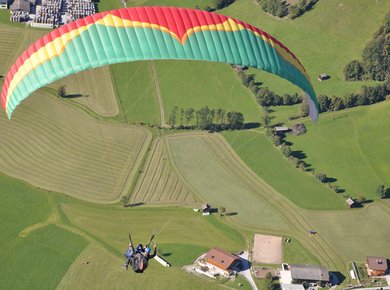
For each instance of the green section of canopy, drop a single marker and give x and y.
(102, 45)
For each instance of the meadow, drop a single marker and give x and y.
(350, 146)
(52, 145)
(257, 151)
(325, 39)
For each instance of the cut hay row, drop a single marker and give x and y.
(92, 88)
(51, 145)
(158, 182)
(10, 37)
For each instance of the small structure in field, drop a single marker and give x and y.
(281, 129)
(377, 266)
(301, 273)
(162, 261)
(350, 202)
(221, 262)
(3, 4)
(206, 209)
(298, 129)
(323, 77)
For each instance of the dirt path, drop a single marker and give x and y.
(158, 93)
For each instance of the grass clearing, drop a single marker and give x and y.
(356, 233)
(136, 92)
(51, 145)
(350, 146)
(325, 39)
(204, 84)
(208, 165)
(263, 158)
(92, 88)
(295, 253)
(158, 182)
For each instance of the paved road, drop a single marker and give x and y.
(247, 272)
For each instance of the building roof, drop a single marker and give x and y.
(350, 201)
(292, 287)
(205, 207)
(220, 258)
(279, 129)
(309, 272)
(21, 5)
(377, 263)
(3, 1)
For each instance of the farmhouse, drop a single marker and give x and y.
(206, 209)
(221, 262)
(3, 4)
(377, 266)
(310, 273)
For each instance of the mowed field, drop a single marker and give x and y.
(159, 182)
(207, 163)
(258, 152)
(350, 146)
(10, 37)
(325, 39)
(52, 145)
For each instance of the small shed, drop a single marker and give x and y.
(323, 77)
(281, 129)
(377, 266)
(206, 209)
(350, 202)
(3, 4)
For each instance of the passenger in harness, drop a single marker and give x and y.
(138, 258)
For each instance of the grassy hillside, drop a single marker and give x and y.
(263, 158)
(207, 164)
(36, 259)
(325, 39)
(350, 146)
(55, 146)
(198, 84)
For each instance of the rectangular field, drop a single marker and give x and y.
(267, 249)
(54, 146)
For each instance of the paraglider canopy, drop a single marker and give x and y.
(145, 33)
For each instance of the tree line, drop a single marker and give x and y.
(264, 96)
(205, 119)
(279, 8)
(367, 96)
(375, 63)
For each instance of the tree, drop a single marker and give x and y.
(324, 103)
(222, 211)
(189, 115)
(172, 117)
(276, 140)
(354, 71)
(381, 192)
(235, 120)
(181, 116)
(204, 118)
(336, 104)
(266, 120)
(361, 198)
(304, 109)
(286, 150)
(125, 200)
(269, 282)
(275, 7)
(61, 91)
(321, 177)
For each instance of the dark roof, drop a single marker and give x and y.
(220, 258)
(21, 5)
(377, 263)
(3, 1)
(309, 272)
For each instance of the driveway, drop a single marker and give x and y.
(246, 272)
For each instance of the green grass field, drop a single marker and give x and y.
(263, 158)
(350, 146)
(136, 92)
(52, 145)
(204, 84)
(158, 182)
(325, 39)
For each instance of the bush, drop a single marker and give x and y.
(321, 177)
(274, 7)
